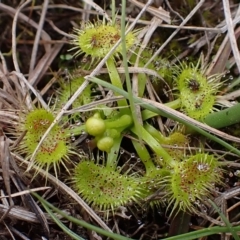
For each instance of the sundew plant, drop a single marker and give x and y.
(139, 140)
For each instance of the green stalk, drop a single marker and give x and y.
(65, 229)
(225, 220)
(112, 157)
(114, 11)
(154, 145)
(147, 114)
(116, 81)
(75, 131)
(144, 156)
(125, 65)
(154, 132)
(80, 222)
(175, 104)
(123, 122)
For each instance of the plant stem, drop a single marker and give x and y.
(80, 222)
(133, 107)
(154, 145)
(175, 104)
(154, 132)
(144, 156)
(75, 131)
(112, 157)
(123, 122)
(116, 81)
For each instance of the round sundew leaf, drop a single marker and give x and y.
(54, 149)
(196, 91)
(191, 79)
(193, 179)
(67, 89)
(103, 187)
(197, 105)
(38, 121)
(97, 39)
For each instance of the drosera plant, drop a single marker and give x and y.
(96, 40)
(102, 184)
(195, 91)
(157, 175)
(184, 183)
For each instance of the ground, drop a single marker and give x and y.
(38, 70)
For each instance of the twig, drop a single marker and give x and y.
(175, 32)
(231, 34)
(37, 37)
(14, 53)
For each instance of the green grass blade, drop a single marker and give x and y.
(224, 117)
(228, 224)
(80, 222)
(60, 224)
(202, 233)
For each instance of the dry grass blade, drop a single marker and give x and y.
(231, 34)
(98, 9)
(44, 63)
(37, 37)
(196, 8)
(31, 203)
(25, 192)
(14, 51)
(5, 163)
(11, 11)
(19, 214)
(159, 13)
(218, 64)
